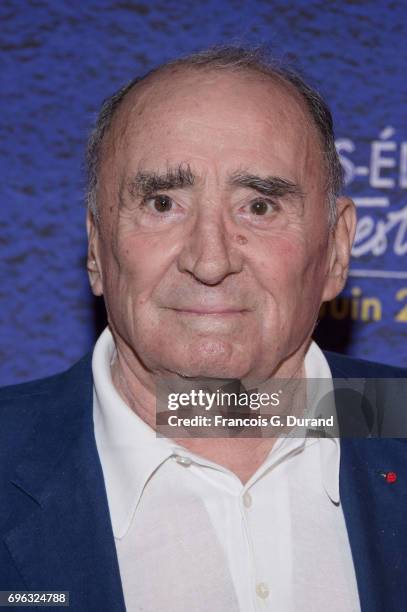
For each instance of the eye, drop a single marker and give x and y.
(262, 207)
(160, 203)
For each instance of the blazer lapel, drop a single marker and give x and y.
(375, 515)
(63, 537)
(374, 509)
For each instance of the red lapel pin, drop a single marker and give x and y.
(390, 477)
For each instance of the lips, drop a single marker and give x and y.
(212, 310)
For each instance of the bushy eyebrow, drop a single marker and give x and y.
(145, 183)
(270, 185)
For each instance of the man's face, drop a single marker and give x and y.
(213, 250)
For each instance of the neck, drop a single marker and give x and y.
(242, 456)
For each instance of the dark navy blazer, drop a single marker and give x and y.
(55, 528)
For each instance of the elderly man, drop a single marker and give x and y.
(216, 230)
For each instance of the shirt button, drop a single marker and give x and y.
(185, 461)
(247, 500)
(262, 590)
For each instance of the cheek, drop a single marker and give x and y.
(291, 271)
(135, 267)
(279, 261)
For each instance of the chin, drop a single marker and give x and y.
(210, 371)
(212, 360)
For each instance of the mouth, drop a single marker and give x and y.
(211, 311)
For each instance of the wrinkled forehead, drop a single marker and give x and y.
(191, 109)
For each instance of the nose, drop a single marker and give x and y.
(208, 253)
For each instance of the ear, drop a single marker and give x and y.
(342, 237)
(93, 261)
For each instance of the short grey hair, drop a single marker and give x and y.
(231, 58)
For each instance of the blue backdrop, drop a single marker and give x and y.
(59, 59)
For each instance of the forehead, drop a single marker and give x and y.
(228, 118)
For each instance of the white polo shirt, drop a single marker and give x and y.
(190, 537)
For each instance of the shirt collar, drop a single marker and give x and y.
(128, 448)
(130, 452)
(317, 369)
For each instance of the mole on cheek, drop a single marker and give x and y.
(241, 239)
